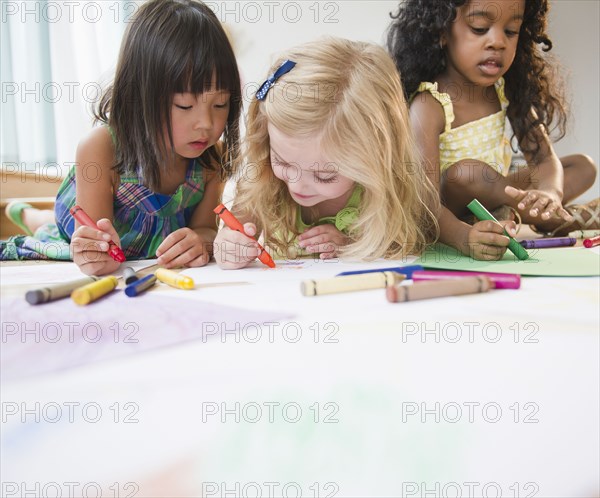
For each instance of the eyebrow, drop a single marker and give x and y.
(283, 161)
(481, 13)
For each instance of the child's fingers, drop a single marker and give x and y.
(325, 229)
(328, 255)
(180, 259)
(528, 200)
(106, 226)
(171, 240)
(488, 226)
(489, 253)
(320, 248)
(492, 239)
(510, 226)
(539, 206)
(81, 244)
(515, 193)
(104, 267)
(238, 253)
(200, 260)
(90, 233)
(555, 209)
(314, 240)
(250, 229)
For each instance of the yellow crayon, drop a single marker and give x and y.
(174, 279)
(351, 283)
(90, 292)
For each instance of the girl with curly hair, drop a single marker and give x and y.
(466, 66)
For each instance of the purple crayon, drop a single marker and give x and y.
(544, 243)
(499, 280)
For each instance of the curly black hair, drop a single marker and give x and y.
(535, 92)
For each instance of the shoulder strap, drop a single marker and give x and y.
(443, 98)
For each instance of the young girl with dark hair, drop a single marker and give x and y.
(155, 170)
(466, 66)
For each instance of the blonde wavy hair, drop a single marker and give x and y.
(349, 94)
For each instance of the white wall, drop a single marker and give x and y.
(575, 31)
(262, 28)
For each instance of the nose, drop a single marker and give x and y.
(496, 39)
(203, 120)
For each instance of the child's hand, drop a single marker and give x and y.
(324, 239)
(486, 240)
(183, 247)
(234, 250)
(89, 248)
(546, 204)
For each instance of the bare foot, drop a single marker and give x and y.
(34, 218)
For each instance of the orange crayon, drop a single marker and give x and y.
(233, 223)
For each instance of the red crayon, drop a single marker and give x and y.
(594, 241)
(114, 251)
(233, 223)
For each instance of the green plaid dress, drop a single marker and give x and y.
(142, 218)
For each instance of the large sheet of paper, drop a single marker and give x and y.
(555, 262)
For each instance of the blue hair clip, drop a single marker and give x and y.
(286, 67)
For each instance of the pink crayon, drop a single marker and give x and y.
(499, 280)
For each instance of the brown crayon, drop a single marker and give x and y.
(438, 288)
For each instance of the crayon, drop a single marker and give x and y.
(141, 285)
(90, 292)
(114, 251)
(433, 289)
(483, 214)
(405, 270)
(233, 223)
(594, 241)
(174, 279)
(350, 283)
(584, 234)
(546, 243)
(58, 291)
(499, 280)
(129, 275)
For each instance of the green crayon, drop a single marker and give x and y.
(483, 214)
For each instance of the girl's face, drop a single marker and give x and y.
(482, 41)
(312, 180)
(198, 121)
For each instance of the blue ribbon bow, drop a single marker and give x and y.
(286, 67)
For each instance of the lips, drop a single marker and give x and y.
(199, 144)
(300, 196)
(491, 66)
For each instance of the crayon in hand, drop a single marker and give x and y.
(483, 214)
(233, 223)
(114, 251)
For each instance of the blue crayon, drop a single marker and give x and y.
(139, 286)
(405, 270)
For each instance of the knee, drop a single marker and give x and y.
(468, 173)
(586, 168)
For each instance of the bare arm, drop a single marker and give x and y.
(485, 239)
(428, 123)
(95, 181)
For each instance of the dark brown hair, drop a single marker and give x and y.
(535, 92)
(171, 46)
